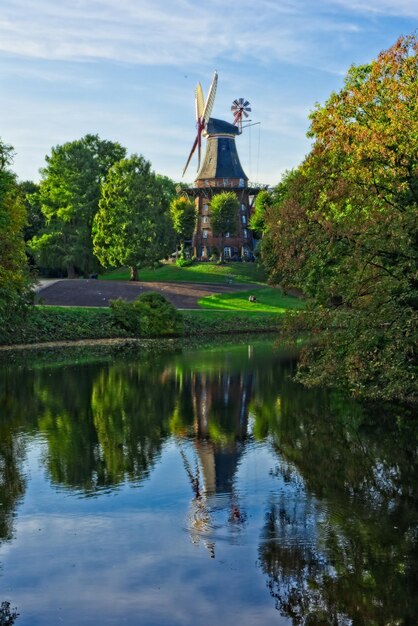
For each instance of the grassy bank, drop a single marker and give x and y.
(268, 300)
(53, 323)
(196, 273)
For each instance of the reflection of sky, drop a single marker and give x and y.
(126, 556)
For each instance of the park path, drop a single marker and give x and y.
(83, 292)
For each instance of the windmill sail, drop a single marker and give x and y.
(210, 100)
(200, 101)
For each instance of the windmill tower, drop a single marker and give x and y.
(220, 170)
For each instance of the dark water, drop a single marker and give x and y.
(201, 488)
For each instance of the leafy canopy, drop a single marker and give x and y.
(68, 196)
(14, 275)
(132, 226)
(345, 230)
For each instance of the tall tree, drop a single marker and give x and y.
(69, 195)
(183, 217)
(263, 201)
(14, 275)
(224, 211)
(132, 226)
(346, 230)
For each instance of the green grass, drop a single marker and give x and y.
(196, 273)
(269, 300)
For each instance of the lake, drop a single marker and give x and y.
(201, 486)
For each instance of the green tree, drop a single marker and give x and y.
(346, 232)
(183, 217)
(224, 210)
(69, 194)
(14, 275)
(263, 201)
(132, 226)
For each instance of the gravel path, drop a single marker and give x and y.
(82, 292)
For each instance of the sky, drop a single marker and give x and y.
(127, 70)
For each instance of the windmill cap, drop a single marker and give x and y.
(219, 127)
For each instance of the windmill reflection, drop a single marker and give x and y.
(220, 421)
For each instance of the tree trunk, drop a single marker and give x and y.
(70, 271)
(134, 272)
(222, 249)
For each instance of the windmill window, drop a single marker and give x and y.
(204, 233)
(205, 219)
(227, 235)
(205, 208)
(227, 252)
(245, 233)
(244, 219)
(243, 207)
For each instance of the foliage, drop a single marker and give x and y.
(8, 616)
(168, 186)
(14, 275)
(68, 196)
(196, 273)
(149, 315)
(52, 323)
(263, 201)
(183, 262)
(183, 217)
(224, 212)
(35, 218)
(132, 226)
(345, 230)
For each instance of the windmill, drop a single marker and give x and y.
(203, 113)
(240, 107)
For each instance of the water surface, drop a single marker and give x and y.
(201, 487)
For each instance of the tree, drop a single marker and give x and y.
(224, 210)
(263, 201)
(183, 217)
(132, 226)
(69, 194)
(14, 274)
(346, 232)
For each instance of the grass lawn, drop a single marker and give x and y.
(269, 300)
(196, 273)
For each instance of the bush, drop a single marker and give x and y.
(149, 315)
(182, 262)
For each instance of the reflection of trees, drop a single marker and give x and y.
(13, 402)
(8, 616)
(103, 423)
(131, 407)
(12, 450)
(351, 559)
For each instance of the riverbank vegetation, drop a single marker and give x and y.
(343, 229)
(55, 324)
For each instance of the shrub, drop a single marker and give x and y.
(149, 315)
(182, 262)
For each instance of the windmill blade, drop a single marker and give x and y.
(246, 103)
(191, 154)
(210, 100)
(237, 117)
(199, 101)
(235, 105)
(245, 113)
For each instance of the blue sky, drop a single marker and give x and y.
(127, 70)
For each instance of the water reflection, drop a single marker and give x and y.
(338, 544)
